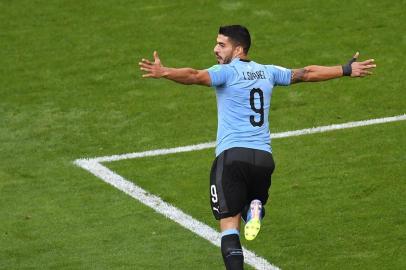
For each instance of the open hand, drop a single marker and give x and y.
(153, 70)
(361, 69)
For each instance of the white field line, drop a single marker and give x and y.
(166, 209)
(202, 146)
(93, 166)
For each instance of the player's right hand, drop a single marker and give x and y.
(362, 69)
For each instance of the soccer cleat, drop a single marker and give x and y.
(253, 224)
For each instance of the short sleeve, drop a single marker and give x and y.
(281, 75)
(219, 74)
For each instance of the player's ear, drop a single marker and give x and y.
(239, 50)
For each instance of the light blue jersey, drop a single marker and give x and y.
(244, 90)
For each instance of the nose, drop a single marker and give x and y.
(215, 49)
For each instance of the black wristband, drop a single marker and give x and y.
(347, 70)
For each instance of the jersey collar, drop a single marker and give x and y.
(239, 59)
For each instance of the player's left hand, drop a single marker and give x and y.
(153, 70)
(362, 69)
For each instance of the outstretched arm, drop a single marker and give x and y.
(315, 73)
(180, 75)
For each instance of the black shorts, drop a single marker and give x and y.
(238, 176)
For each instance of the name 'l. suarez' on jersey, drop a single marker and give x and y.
(255, 75)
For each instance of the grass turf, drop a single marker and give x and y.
(70, 88)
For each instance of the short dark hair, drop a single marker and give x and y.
(238, 34)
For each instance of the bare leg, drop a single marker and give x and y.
(230, 223)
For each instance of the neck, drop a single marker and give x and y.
(242, 56)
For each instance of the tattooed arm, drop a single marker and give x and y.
(321, 73)
(315, 73)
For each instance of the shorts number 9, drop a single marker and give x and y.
(213, 193)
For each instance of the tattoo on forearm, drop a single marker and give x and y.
(297, 75)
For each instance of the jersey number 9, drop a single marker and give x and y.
(259, 110)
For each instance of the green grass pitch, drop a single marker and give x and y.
(71, 88)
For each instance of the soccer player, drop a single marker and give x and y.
(240, 177)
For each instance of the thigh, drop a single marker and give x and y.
(228, 190)
(261, 176)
